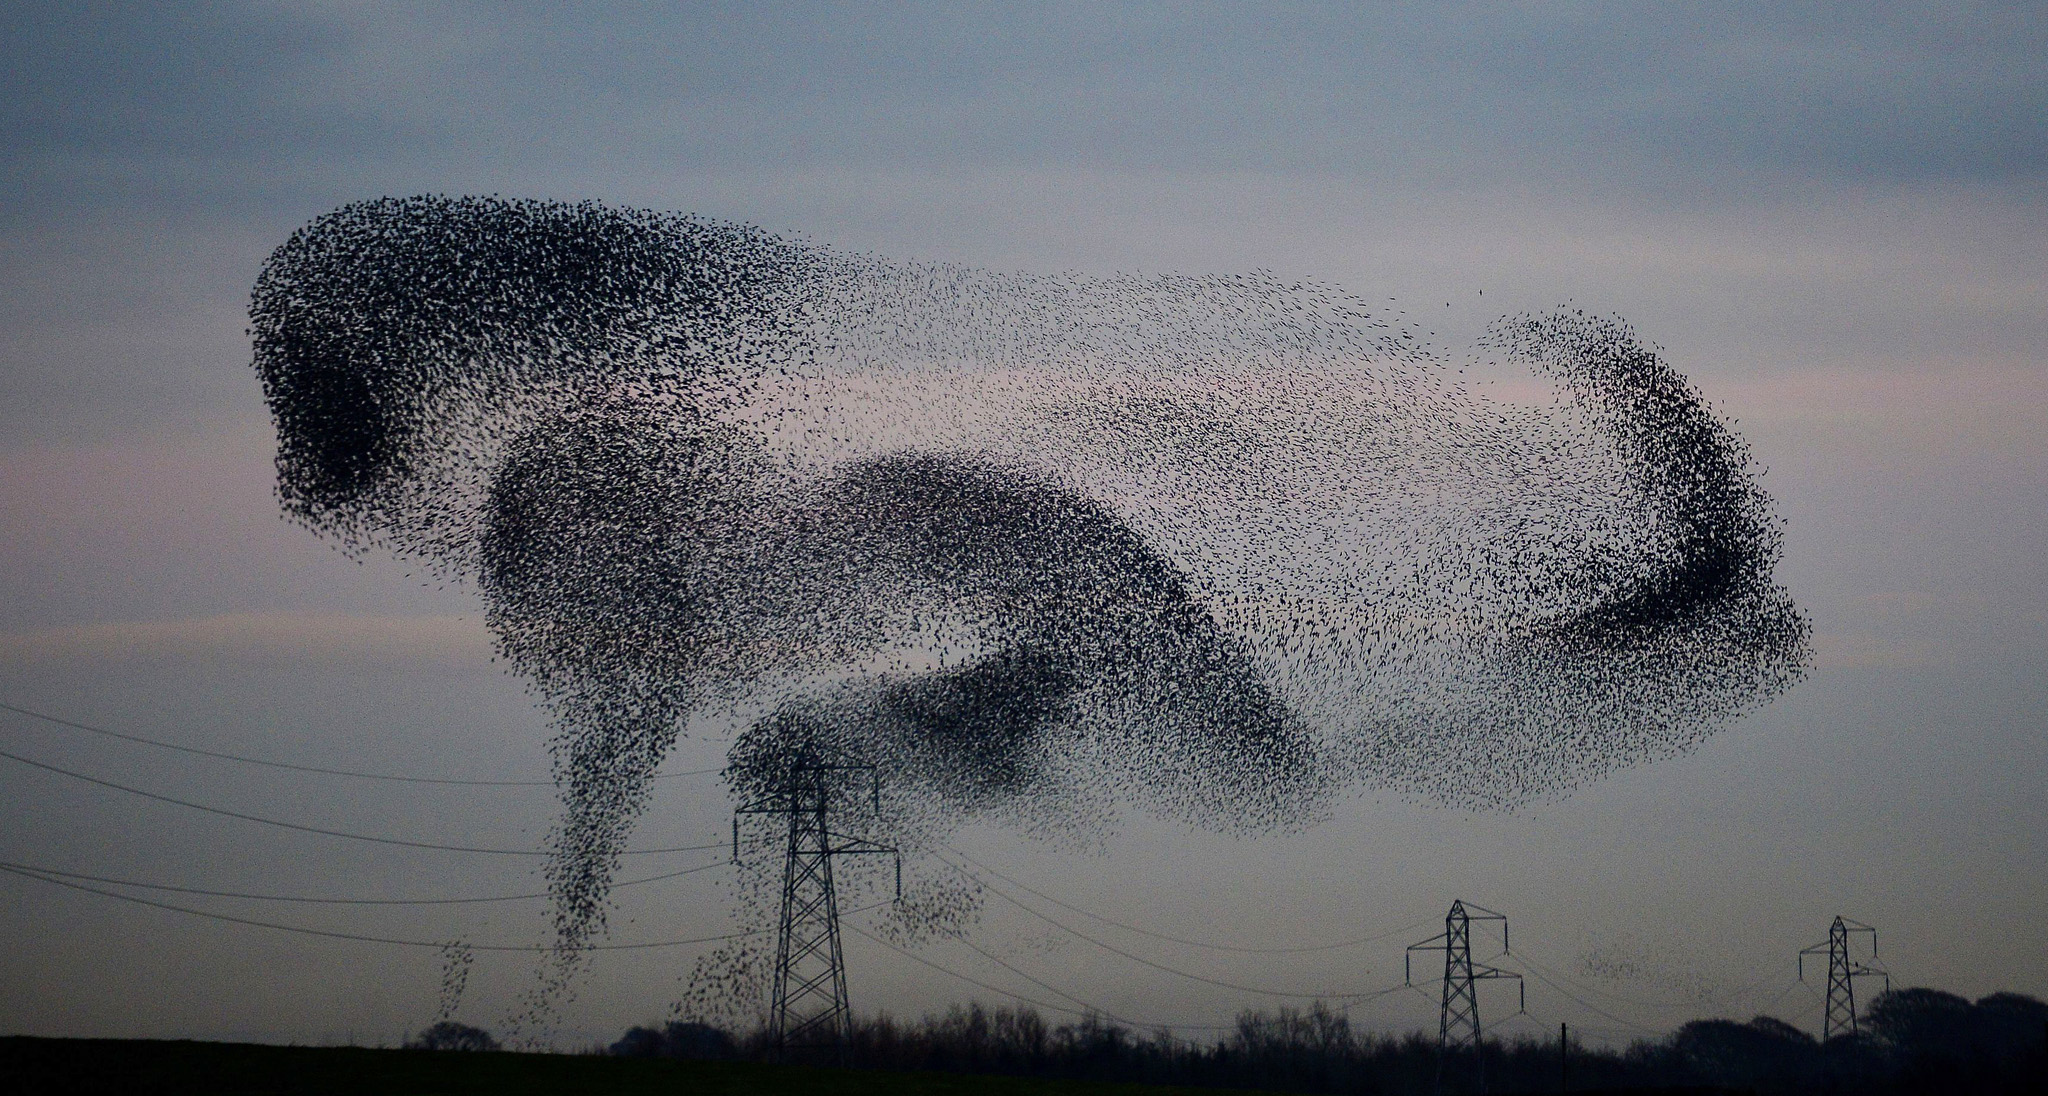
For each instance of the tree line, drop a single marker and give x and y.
(1910, 1041)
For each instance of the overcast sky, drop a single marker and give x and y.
(1835, 221)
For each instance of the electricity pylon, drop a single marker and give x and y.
(1840, 1016)
(1458, 1018)
(808, 1014)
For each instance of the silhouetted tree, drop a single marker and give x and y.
(1914, 1041)
(449, 1035)
(1938, 1039)
(1764, 1051)
(680, 1039)
(2012, 1027)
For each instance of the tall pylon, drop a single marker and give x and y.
(1839, 1018)
(1458, 1018)
(808, 1014)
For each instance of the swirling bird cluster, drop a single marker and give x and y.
(1038, 547)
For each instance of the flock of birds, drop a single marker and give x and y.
(1037, 547)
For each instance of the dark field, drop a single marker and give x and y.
(34, 1067)
(38, 1066)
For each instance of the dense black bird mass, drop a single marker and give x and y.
(1035, 545)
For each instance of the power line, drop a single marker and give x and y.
(1708, 999)
(1597, 1011)
(1717, 999)
(999, 961)
(1544, 1026)
(1113, 949)
(1638, 1002)
(1767, 1006)
(125, 737)
(1746, 991)
(303, 930)
(951, 973)
(1181, 939)
(40, 870)
(224, 812)
(914, 957)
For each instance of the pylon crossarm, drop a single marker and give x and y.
(1408, 957)
(1817, 949)
(858, 846)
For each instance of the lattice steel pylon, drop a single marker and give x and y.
(1839, 1017)
(808, 1013)
(1458, 1019)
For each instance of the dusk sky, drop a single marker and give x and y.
(1833, 218)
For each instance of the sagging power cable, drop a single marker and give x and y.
(1141, 960)
(301, 900)
(361, 937)
(1296, 950)
(224, 812)
(293, 767)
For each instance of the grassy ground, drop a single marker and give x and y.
(36, 1067)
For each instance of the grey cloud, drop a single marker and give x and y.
(133, 79)
(261, 639)
(1624, 94)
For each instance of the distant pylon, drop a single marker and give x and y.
(1839, 1018)
(808, 1013)
(1458, 1018)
